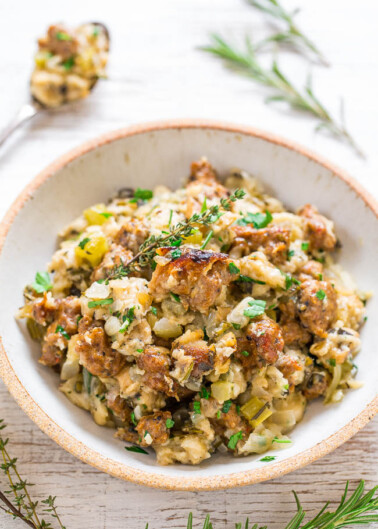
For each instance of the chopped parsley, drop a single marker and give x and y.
(245, 353)
(218, 414)
(133, 420)
(320, 277)
(204, 394)
(170, 217)
(175, 242)
(139, 350)
(100, 302)
(233, 268)
(204, 206)
(61, 35)
(246, 279)
(238, 409)
(226, 406)
(256, 308)
(266, 459)
(320, 294)
(290, 254)
(197, 407)
(96, 31)
(175, 297)
(127, 319)
(305, 246)
(154, 311)
(68, 63)
(175, 254)
(332, 362)
(289, 281)
(136, 449)
(282, 441)
(169, 423)
(286, 387)
(234, 440)
(79, 318)
(106, 214)
(142, 194)
(259, 220)
(42, 282)
(207, 240)
(83, 243)
(62, 331)
(236, 326)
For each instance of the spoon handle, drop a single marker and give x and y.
(26, 112)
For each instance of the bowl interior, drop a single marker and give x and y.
(163, 157)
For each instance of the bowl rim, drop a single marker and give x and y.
(123, 471)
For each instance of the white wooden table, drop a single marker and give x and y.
(157, 72)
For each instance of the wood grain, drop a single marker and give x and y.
(157, 71)
(88, 496)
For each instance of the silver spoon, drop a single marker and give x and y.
(26, 112)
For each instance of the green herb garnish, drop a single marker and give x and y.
(106, 214)
(68, 63)
(175, 254)
(246, 279)
(245, 353)
(206, 241)
(233, 268)
(290, 254)
(259, 220)
(175, 297)
(256, 308)
(204, 394)
(62, 331)
(204, 206)
(305, 246)
(320, 294)
(42, 282)
(226, 406)
(143, 194)
(133, 420)
(236, 326)
(282, 441)
(197, 407)
(170, 217)
(127, 319)
(266, 459)
(61, 35)
(100, 302)
(169, 423)
(332, 362)
(136, 449)
(82, 245)
(290, 280)
(234, 440)
(154, 310)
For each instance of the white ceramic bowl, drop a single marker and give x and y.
(161, 153)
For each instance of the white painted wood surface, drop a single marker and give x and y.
(157, 72)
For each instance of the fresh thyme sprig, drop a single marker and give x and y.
(22, 507)
(292, 35)
(174, 236)
(247, 63)
(353, 511)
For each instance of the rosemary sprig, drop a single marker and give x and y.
(357, 510)
(292, 35)
(247, 63)
(23, 507)
(174, 236)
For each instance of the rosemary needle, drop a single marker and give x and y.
(292, 35)
(283, 90)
